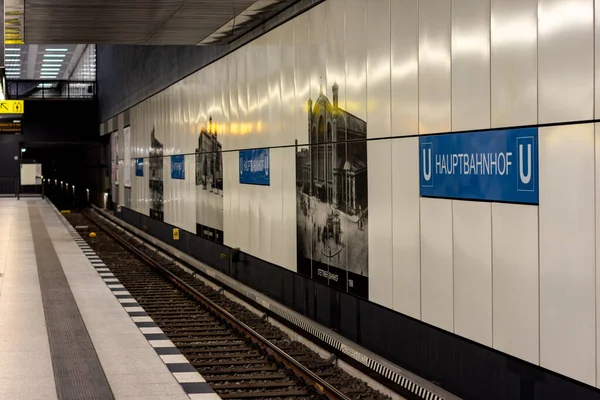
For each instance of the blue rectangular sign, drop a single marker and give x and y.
(497, 165)
(139, 167)
(178, 167)
(254, 167)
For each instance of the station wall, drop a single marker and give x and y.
(518, 278)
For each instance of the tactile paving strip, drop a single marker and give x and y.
(190, 380)
(78, 373)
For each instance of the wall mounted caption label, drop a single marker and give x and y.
(12, 107)
(255, 167)
(139, 167)
(499, 165)
(178, 167)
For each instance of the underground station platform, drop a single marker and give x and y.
(68, 329)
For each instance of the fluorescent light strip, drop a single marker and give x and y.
(57, 49)
(12, 55)
(13, 49)
(50, 69)
(54, 55)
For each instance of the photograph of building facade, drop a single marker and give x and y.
(332, 205)
(209, 160)
(209, 184)
(156, 178)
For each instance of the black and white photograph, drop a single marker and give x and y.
(209, 184)
(156, 178)
(332, 201)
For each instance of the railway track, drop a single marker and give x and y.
(238, 353)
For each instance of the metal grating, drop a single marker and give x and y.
(184, 22)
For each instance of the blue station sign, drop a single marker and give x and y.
(178, 167)
(254, 167)
(497, 165)
(139, 167)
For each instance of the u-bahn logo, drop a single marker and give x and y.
(426, 167)
(525, 164)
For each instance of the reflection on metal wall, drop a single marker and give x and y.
(340, 205)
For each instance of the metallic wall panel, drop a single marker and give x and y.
(261, 138)
(514, 81)
(356, 58)
(289, 104)
(515, 268)
(405, 67)
(378, 70)
(256, 82)
(567, 251)
(472, 251)
(597, 60)
(437, 265)
(276, 137)
(230, 196)
(406, 231)
(240, 196)
(597, 243)
(318, 52)
(434, 66)
(379, 154)
(470, 64)
(566, 60)
(301, 77)
(336, 49)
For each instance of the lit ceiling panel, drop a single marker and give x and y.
(42, 61)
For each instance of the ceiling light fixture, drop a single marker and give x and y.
(13, 49)
(50, 69)
(54, 55)
(57, 49)
(12, 55)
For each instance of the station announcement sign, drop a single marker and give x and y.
(254, 167)
(499, 165)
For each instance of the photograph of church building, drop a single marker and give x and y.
(209, 184)
(156, 178)
(332, 201)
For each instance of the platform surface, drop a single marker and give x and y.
(63, 333)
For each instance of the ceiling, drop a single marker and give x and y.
(153, 22)
(42, 61)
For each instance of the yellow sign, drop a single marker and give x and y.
(12, 107)
(175, 234)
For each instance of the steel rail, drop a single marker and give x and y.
(300, 370)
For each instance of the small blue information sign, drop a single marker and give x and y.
(254, 167)
(139, 167)
(178, 167)
(497, 165)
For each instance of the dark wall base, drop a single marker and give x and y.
(469, 370)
